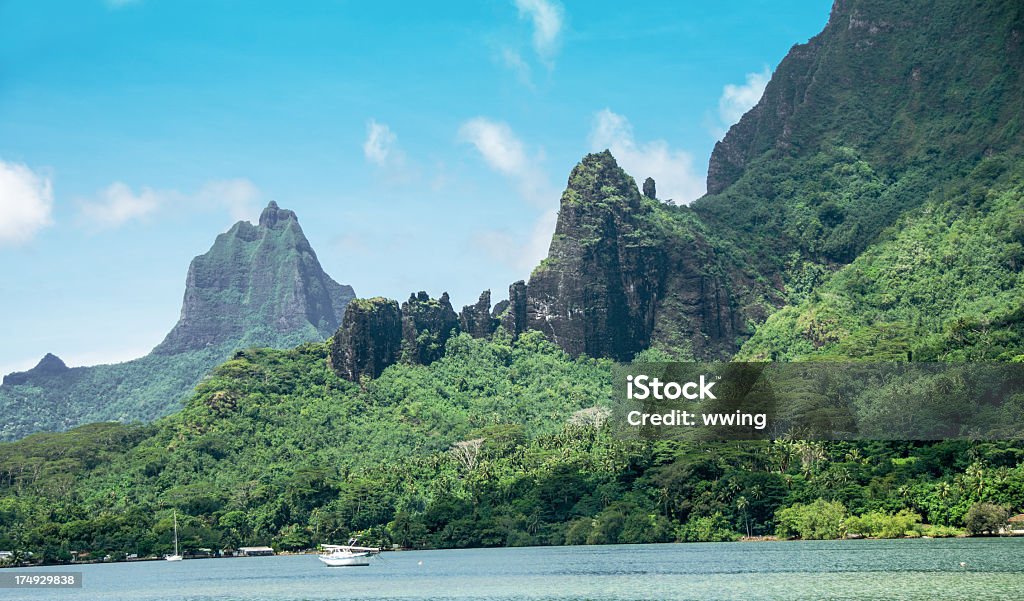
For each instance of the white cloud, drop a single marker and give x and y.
(672, 170)
(540, 239)
(118, 203)
(512, 250)
(500, 148)
(496, 143)
(382, 150)
(738, 99)
(379, 144)
(547, 18)
(504, 152)
(26, 203)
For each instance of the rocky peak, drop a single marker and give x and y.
(377, 333)
(598, 179)
(596, 291)
(257, 286)
(617, 280)
(650, 189)
(426, 326)
(49, 365)
(274, 215)
(513, 312)
(476, 319)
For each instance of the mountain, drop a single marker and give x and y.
(878, 183)
(946, 283)
(895, 132)
(258, 286)
(907, 84)
(625, 272)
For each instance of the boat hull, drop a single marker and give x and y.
(350, 561)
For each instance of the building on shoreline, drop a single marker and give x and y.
(254, 552)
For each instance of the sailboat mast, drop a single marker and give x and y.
(175, 531)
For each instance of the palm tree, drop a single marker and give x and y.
(742, 504)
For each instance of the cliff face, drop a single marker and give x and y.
(476, 320)
(258, 285)
(625, 272)
(769, 124)
(369, 340)
(904, 81)
(512, 313)
(377, 333)
(596, 292)
(426, 326)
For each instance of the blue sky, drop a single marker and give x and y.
(423, 146)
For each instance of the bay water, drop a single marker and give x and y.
(974, 569)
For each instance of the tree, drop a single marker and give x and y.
(818, 520)
(467, 452)
(985, 518)
(708, 529)
(407, 530)
(742, 504)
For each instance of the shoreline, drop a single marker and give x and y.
(745, 539)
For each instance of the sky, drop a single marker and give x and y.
(423, 146)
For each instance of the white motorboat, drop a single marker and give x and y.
(176, 556)
(347, 555)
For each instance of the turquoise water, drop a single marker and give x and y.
(898, 569)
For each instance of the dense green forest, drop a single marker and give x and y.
(500, 442)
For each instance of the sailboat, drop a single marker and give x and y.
(347, 555)
(176, 556)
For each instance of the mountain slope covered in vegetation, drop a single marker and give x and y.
(500, 442)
